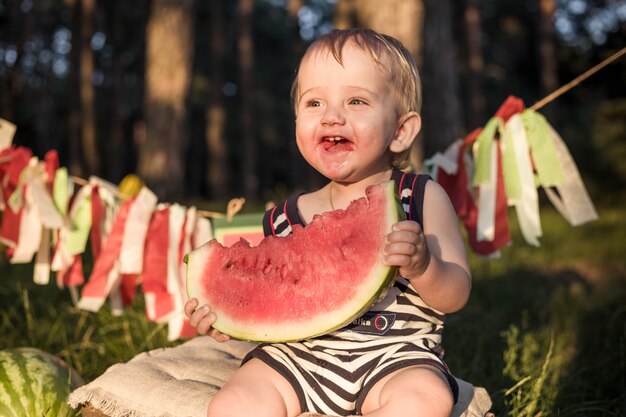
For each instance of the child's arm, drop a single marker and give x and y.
(435, 260)
(202, 319)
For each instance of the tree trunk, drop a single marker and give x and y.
(402, 19)
(475, 65)
(168, 73)
(116, 155)
(245, 49)
(218, 175)
(441, 113)
(547, 53)
(87, 96)
(73, 122)
(12, 81)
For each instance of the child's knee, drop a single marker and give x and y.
(227, 403)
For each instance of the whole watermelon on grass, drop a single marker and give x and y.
(34, 383)
(315, 280)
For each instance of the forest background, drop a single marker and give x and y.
(194, 95)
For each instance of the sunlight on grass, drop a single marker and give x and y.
(544, 330)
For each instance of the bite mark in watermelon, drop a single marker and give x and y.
(318, 279)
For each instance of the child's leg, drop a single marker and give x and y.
(257, 390)
(414, 391)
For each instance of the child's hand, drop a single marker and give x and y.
(202, 319)
(406, 247)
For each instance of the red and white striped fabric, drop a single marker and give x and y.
(105, 279)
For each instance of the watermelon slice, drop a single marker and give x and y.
(309, 283)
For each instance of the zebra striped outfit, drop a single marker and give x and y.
(333, 373)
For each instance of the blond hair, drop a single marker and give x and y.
(388, 53)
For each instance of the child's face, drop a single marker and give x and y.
(346, 115)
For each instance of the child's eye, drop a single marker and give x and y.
(312, 103)
(356, 101)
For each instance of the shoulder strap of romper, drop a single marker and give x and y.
(411, 188)
(278, 220)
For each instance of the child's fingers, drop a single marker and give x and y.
(405, 231)
(202, 319)
(397, 260)
(407, 225)
(219, 336)
(190, 306)
(401, 248)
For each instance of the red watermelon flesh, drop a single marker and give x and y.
(319, 278)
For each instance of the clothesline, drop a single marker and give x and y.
(235, 205)
(564, 89)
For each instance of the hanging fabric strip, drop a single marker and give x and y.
(456, 185)
(485, 228)
(502, 236)
(97, 215)
(483, 151)
(68, 267)
(128, 288)
(30, 230)
(7, 131)
(107, 194)
(17, 159)
(177, 215)
(176, 224)
(61, 190)
(42, 200)
(459, 191)
(50, 218)
(527, 205)
(547, 166)
(41, 270)
(105, 274)
(131, 255)
(75, 239)
(51, 164)
(16, 199)
(185, 244)
(114, 292)
(202, 232)
(445, 161)
(186, 330)
(71, 275)
(159, 302)
(509, 166)
(572, 200)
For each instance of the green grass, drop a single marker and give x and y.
(45, 317)
(544, 331)
(545, 328)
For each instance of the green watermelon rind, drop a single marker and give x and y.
(35, 383)
(286, 332)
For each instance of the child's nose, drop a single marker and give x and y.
(332, 115)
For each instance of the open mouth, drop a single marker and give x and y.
(336, 143)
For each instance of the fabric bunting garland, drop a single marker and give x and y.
(135, 241)
(501, 166)
(49, 219)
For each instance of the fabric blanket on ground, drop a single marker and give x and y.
(180, 382)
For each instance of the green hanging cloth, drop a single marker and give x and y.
(482, 153)
(547, 166)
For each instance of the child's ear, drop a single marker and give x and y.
(409, 125)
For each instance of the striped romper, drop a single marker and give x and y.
(332, 374)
